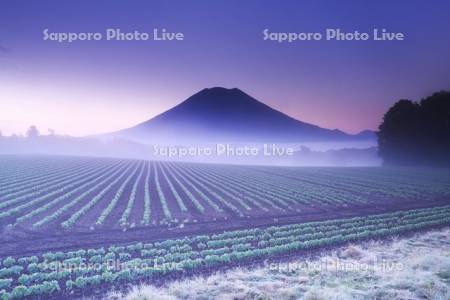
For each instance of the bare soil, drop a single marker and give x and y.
(21, 241)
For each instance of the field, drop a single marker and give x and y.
(409, 275)
(63, 220)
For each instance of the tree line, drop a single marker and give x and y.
(416, 133)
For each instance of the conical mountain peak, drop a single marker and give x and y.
(220, 114)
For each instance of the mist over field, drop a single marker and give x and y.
(314, 154)
(215, 125)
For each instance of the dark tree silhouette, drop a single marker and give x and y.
(32, 132)
(416, 133)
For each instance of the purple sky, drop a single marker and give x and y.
(100, 86)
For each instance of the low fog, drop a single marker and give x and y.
(302, 154)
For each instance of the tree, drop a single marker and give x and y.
(32, 132)
(435, 115)
(397, 133)
(416, 133)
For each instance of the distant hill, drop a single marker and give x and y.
(220, 115)
(367, 135)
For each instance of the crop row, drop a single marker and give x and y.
(94, 193)
(86, 268)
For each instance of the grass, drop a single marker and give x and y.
(416, 267)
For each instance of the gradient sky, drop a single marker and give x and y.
(100, 86)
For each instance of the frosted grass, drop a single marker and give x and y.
(409, 268)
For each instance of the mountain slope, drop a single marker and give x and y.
(220, 115)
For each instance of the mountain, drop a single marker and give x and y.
(367, 135)
(220, 115)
